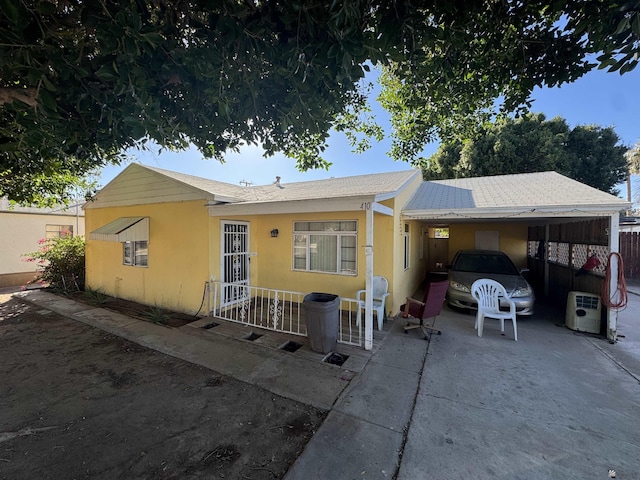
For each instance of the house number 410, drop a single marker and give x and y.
(365, 206)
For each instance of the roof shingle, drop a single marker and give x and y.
(359, 185)
(527, 190)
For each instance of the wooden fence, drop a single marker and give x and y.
(630, 251)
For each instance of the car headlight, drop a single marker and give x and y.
(522, 292)
(459, 286)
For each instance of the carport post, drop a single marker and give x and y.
(368, 298)
(614, 247)
(546, 259)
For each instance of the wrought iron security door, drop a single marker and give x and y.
(235, 261)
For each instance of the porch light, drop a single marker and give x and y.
(274, 233)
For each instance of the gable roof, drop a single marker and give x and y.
(375, 184)
(524, 195)
(359, 185)
(206, 185)
(355, 186)
(138, 184)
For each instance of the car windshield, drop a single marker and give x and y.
(485, 263)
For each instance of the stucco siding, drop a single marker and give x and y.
(271, 260)
(406, 281)
(383, 248)
(178, 256)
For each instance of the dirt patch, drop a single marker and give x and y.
(76, 402)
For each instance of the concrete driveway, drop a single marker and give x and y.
(555, 405)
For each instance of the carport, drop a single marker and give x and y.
(546, 222)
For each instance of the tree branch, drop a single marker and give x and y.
(24, 95)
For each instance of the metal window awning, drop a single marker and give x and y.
(123, 229)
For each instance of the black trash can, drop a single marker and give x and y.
(321, 313)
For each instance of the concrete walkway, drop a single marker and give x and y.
(555, 404)
(302, 377)
(364, 434)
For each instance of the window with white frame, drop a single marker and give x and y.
(406, 246)
(135, 253)
(329, 246)
(58, 231)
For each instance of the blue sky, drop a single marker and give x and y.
(605, 99)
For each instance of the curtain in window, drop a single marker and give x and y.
(333, 251)
(323, 253)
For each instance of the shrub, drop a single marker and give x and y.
(158, 315)
(60, 262)
(96, 297)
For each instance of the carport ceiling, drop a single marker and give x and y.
(542, 197)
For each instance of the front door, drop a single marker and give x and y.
(235, 261)
(437, 254)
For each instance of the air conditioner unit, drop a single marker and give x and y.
(583, 312)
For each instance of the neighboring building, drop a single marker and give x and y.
(159, 237)
(21, 228)
(630, 224)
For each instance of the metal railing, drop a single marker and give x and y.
(277, 310)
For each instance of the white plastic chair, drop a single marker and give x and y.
(380, 290)
(489, 293)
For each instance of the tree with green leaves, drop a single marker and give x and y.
(469, 60)
(590, 154)
(82, 81)
(597, 158)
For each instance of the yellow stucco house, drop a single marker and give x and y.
(196, 245)
(159, 237)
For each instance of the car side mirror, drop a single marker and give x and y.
(523, 271)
